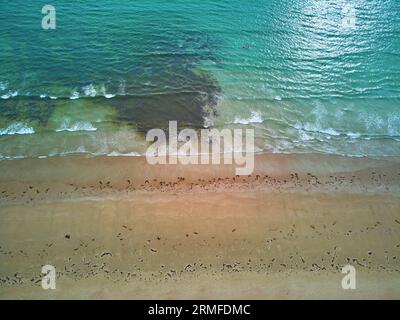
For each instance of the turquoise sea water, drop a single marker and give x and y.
(111, 70)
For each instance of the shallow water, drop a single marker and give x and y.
(114, 69)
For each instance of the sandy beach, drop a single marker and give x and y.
(118, 228)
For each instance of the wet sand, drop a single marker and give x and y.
(118, 228)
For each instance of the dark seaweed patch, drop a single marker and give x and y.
(29, 109)
(164, 83)
(167, 85)
(155, 110)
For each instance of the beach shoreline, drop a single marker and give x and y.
(117, 227)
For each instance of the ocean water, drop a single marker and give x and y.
(309, 76)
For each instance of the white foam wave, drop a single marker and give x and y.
(310, 132)
(74, 96)
(121, 88)
(3, 85)
(89, 91)
(17, 128)
(130, 154)
(43, 96)
(353, 135)
(208, 122)
(104, 93)
(305, 136)
(10, 94)
(254, 118)
(315, 129)
(329, 131)
(77, 126)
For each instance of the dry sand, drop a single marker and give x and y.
(118, 228)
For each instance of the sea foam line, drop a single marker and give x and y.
(10, 94)
(77, 126)
(254, 118)
(17, 128)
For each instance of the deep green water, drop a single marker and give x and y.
(289, 69)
